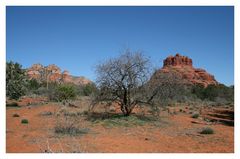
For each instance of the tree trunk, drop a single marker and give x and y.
(126, 110)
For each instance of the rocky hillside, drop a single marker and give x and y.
(183, 66)
(53, 73)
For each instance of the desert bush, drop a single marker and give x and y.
(73, 114)
(70, 130)
(68, 123)
(87, 90)
(49, 93)
(16, 115)
(24, 121)
(195, 115)
(64, 93)
(15, 80)
(41, 91)
(46, 113)
(12, 104)
(33, 85)
(220, 94)
(207, 130)
(68, 126)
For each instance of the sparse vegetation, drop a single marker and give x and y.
(70, 130)
(207, 130)
(24, 121)
(46, 113)
(65, 92)
(195, 115)
(219, 94)
(133, 102)
(12, 104)
(16, 115)
(32, 86)
(125, 121)
(115, 120)
(88, 89)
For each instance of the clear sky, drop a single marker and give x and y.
(76, 38)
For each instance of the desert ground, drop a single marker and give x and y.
(175, 131)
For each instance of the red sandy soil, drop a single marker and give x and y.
(177, 135)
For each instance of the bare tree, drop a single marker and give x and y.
(128, 81)
(120, 79)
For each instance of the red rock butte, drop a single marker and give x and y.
(177, 60)
(183, 66)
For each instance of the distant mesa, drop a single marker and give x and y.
(183, 66)
(54, 74)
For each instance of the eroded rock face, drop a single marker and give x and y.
(66, 77)
(183, 66)
(177, 60)
(34, 71)
(53, 73)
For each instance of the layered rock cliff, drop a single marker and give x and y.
(183, 66)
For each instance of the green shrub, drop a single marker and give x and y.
(207, 130)
(195, 115)
(24, 121)
(33, 84)
(65, 92)
(217, 93)
(15, 80)
(86, 90)
(89, 89)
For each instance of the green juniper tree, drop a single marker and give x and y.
(15, 80)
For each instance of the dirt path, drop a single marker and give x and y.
(178, 135)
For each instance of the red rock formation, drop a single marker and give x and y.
(34, 71)
(66, 76)
(182, 65)
(53, 73)
(177, 60)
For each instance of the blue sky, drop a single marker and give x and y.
(76, 38)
